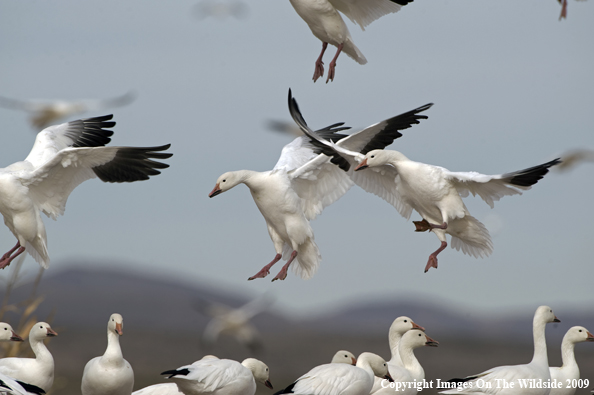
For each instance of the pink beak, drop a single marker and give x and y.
(415, 326)
(590, 337)
(430, 342)
(362, 165)
(215, 191)
(51, 332)
(119, 329)
(15, 337)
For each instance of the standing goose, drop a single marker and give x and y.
(537, 370)
(569, 370)
(302, 183)
(411, 370)
(8, 384)
(62, 157)
(220, 377)
(434, 192)
(38, 371)
(109, 374)
(341, 378)
(325, 22)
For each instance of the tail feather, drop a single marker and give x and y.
(472, 237)
(353, 52)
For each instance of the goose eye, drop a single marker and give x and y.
(580, 330)
(405, 320)
(41, 326)
(419, 335)
(372, 156)
(224, 180)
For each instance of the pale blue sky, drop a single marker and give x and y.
(512, 88)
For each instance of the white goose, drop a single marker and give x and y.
(62, 157)
(536, 370)
(434, 192)
(301, 185)
(569, 370)
(411, 370)
(344, 356)
(220, 377)
(341, 378)
(7, 334)
(43, 113)
(325, 22)
(8, 384)
(109, 374)
(38, 371)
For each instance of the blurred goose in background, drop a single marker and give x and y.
(325, 22)
(109, 374)
(574, 157)
(341, 378)
(220, 376)
(221, 9)
(569, 370)
(43, 113)
(537, 369)
(234, 322)
(434, 192)
(411, 370)
(62, 157)
(302, 184)
(38, 371)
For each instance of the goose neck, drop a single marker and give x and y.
(540, 345)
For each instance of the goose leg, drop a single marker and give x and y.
(283, 272)
(319, 71)
(7, 258)
(265, 271)
(424, 225)
(432, 262)
(332, 64)
(563, 9)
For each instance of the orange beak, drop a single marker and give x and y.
(415, 326)
(430, 342)
(15, 337)
(590, 337)
(51, 332)
(354, 361)
(362, 165)
(119, 329)
(215, 191)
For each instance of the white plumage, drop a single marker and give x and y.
(569, 370)
(62, 157)
(109, 374)
(8, 384)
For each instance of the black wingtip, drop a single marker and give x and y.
(176, 372)
(532, 175)
(31, 388)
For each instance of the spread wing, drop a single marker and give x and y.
(363, 12)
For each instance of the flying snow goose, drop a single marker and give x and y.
(411, 370)
(325, 22)
(43, 113)
(38, 371)
(300, 185)
(62, 157)
(569, 370)
(341, 378)
(434, 192)
(220, 376)
(537, 370)
(111, 373)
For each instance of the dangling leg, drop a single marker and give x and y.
(332, 65)
(283, 272)
(424, 225)
(319, 71)
(432, 262)
(7, 258)
(265, 271)
(563, 9)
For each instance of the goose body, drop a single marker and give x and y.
(62, 157)
(569, 370)
(38, 371)
(537, 370)
(109, 374)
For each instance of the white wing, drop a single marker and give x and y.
(208, 375)
(329, 379)
(363, 12)
(159, 389)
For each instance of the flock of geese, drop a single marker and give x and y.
(344, 375)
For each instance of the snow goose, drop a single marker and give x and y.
(536, 371)
(109, 374)
(43, 113)
(434, 192)
(38, 371)
(220, 376)
(411, 371)
(341, 378)
(7, 334)
(302, 183)
(8, 384)
(325, 22)
(62, 157)
(344, 356)
(569, 370)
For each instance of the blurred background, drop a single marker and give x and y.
(512, 87)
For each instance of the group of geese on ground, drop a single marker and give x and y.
(345, 375)
(318, 168)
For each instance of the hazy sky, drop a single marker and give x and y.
(512, 87)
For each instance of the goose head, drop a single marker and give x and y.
(379, 157)
(116, 324)
(416, 338)
(344, 356)
(8, 334)
(377, 364)
(226, 182)
(578, 334)
(544, 314)
(401, 325)
(40, 331)
(259, 370)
